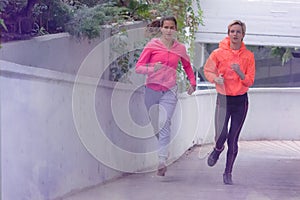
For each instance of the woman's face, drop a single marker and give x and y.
(168, 29)
(236, 34)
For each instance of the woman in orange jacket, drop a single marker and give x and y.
(231, 68)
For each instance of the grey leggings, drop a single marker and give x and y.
(161, 106)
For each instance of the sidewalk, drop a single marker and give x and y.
(264, 170)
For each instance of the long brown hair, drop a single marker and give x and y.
(168, 18)
(153, 29)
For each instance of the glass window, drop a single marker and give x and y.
(275, 66)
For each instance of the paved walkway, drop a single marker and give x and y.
(264, 170)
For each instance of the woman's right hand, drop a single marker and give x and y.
(157, 66)
(219, 79)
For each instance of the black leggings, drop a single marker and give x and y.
(234, 108)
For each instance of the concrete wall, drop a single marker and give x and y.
(42, 156)
(272, 115)
(50, 145)
(46, 51)
(59, 52)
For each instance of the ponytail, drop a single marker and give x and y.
(153, 29)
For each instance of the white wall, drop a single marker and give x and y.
(59, 52)
(47, 151)
(272, 115)
(269, 22)
(41, 154)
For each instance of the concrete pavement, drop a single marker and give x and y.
(264, 170)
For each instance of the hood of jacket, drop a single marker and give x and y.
(225, 44)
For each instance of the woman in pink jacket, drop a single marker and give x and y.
(159, 61)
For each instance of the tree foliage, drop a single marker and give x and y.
(27, 18)
(284, 53)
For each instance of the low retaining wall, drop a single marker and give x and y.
(54, 141)
(272, 115)
(47, 151)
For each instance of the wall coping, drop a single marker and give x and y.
(9, 68)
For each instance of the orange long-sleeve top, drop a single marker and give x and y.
(219, 63)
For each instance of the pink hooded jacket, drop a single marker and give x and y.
(219, 63)
(165, 78)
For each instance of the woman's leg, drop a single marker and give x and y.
(221, 125)
(238, 116)
(221, 129)
(167, 105)
(161, 106)
(152, 98)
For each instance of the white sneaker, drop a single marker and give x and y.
(161, 170)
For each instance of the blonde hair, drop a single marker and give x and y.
(237, 22)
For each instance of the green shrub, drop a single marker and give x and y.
(86, 22)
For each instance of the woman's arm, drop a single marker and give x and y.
(210, 70)
(249, 72)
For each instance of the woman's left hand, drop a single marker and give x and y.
(191, 89)
(237, 69)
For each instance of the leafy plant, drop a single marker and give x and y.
(138, 10)
(86, 22)
(285, 54)
(52, 15)
(88, 3)
(2, 24)
(3, 4)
